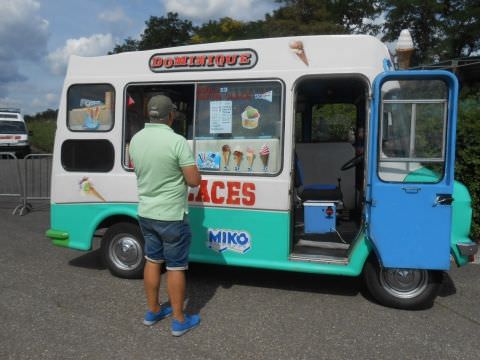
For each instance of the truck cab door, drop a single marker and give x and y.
(410, 176)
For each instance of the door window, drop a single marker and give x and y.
(412, 136)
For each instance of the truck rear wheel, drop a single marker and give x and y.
(122, 250)
(402, 288)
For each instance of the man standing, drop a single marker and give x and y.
(164, 165)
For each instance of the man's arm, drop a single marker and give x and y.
(191, 175)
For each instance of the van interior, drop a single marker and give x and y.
(328, 167)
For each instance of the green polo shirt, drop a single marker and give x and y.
(158, 154)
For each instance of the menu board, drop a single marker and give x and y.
(238, 127)
(220, 117)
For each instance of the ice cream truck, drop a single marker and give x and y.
(316, 156)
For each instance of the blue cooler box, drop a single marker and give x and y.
(319, 217)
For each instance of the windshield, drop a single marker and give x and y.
(12, 127)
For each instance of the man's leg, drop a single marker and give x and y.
(176, 292)
(151, 282)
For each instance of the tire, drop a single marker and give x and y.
(410, 289)
(122, 250)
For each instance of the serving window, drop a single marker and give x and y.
(90, 107)
(136, 101)
(238, 127)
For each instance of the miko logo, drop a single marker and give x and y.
(220, 240)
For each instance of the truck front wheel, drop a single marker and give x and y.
(402, 288)
(122, 250)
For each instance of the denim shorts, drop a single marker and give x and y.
(167, 241)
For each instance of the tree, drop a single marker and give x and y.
(129, 45)
(295, 17)
(356, 16)
(421, 17)
(225, 29)
(461, 27)
(308, 17)
(167, 31)
(49, 114)
(467, 165)
(301, 17)
(160, 32)
(447, 28)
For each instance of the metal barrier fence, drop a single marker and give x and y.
(36, 181)
(10, 176)
(26, 179)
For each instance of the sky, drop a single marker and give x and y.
(38, 36)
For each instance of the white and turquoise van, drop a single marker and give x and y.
(316, 156)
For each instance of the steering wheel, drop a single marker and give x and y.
(357, 160)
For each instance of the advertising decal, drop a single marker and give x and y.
(221, 240)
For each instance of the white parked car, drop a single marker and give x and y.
(13, 133)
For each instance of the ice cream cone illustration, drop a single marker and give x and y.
(237, 158)
(91, 118)
(226, 156)
(87, 188)
(264, 155)
(250, 158)
(297, 47)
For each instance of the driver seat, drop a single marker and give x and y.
(316, 192)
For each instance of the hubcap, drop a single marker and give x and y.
(125, 252)
(404, 283)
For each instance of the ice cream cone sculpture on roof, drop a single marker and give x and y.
(264, 155)
(237, 158)
(297, 47)
(404, 58)
(404, 49)
(250, 158)
(226, 156)
(87, 188)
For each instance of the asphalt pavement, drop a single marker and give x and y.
(57, 303)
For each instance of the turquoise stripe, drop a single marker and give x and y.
(268, 235)
(80, 221)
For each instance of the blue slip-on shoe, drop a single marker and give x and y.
(152, 318)
(180, 328)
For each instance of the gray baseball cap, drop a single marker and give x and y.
(159, 106)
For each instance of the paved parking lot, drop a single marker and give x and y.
(58, 303)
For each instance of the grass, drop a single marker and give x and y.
(43, 134)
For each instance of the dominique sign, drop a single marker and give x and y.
(201, 61)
